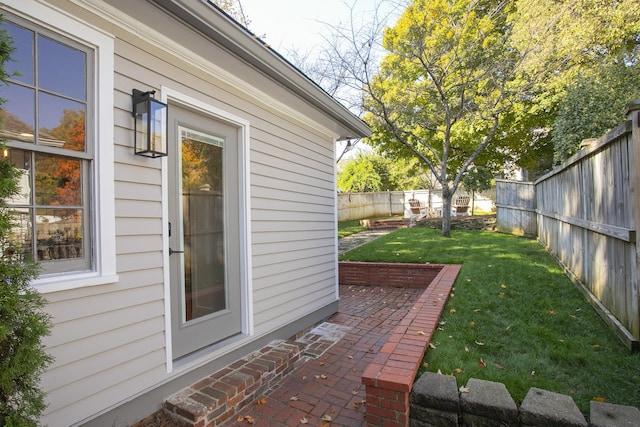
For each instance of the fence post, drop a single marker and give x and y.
(633, 114)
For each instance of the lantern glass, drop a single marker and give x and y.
(150, 125)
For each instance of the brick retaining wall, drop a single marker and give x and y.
(387, 274)
(389, 378)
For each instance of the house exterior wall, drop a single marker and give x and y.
(110, 340)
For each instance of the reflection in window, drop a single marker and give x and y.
(44, 120)
(59, 229)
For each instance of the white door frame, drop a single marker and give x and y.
(246, 299)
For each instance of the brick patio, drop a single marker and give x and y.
(327, 389)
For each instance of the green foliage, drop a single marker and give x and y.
(360, 176)
(570, 46)
(444, 86)
(23, 321)
(376, 172)
(593, 105)
(513, 308)
(477, 178)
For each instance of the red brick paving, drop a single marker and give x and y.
(330, 386)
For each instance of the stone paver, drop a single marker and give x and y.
(358, 239)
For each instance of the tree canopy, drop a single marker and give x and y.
(444, 87)
(478, 83)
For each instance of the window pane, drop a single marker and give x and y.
(20, 67)
(18, 113)
(22, 161)
(59, 234)
(61, 68)
(58, 180)
(62, 122)
(21, 231)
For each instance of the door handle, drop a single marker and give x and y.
(171, 251)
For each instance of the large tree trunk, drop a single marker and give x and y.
(446, 213)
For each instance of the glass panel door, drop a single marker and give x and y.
(204, 231)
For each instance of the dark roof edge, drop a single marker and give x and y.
(224, 30)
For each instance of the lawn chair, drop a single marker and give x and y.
(461, 206)
(417, 210)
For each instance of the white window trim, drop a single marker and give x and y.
(103, 210)
(246, 291)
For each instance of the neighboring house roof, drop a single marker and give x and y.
(221, 28)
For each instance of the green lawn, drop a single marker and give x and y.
(349, 227)
(514, 317)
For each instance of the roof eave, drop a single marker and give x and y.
(242, 43)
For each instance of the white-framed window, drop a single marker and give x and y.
(61, 137)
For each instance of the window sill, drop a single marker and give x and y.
(68, 282)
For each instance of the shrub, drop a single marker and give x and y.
(23, 321)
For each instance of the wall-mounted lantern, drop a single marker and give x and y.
(150, 125)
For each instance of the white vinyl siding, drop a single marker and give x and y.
(109, 341)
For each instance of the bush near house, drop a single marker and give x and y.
(22, 320)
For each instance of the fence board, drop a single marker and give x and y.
(586, 216)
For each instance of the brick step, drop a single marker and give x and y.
(221, 396)
(384, 224)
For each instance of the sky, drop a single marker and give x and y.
(302, 25)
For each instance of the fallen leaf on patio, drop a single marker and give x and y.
(479, 343)
(359, 404)
(552, 313)
(240, 419)
(481, 363)
(304, 378)
(598, 399)
(262, 401)
(453, 310)
(323, 376)
(432, 345)
(464, 389)
(421, 333)
(350, 356)
(355, 390)
(304, 420)
(458, 371)
(326, 418)
(466, 349)
(248, 418)
(294, 398)
(321, 363)
(325, 425)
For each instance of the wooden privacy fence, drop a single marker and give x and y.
(516, 207)
(587, 211)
